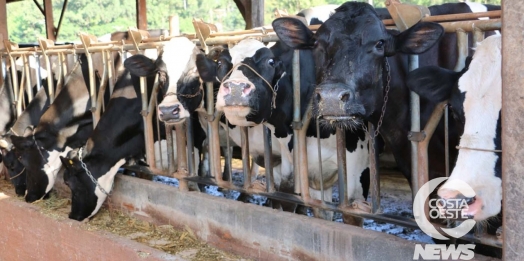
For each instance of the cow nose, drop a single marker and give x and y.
(344, 96)
(30, 198)
(169, 112)
(237, 87)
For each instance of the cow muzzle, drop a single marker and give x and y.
(237, 93)
(169, 113)
(454, 205)
(337, 103)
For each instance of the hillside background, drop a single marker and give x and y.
(99, 17)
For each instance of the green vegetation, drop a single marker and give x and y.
(99, 17)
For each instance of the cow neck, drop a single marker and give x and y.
(39, 149)
(84, 167)
(384, 104)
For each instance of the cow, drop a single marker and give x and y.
(475, 99)
(317, 14)
(119, 135)
(256, 90)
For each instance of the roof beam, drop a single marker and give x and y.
(3, 20)
(252, 11)
(39, 6)
(49, 27)
(141, 14)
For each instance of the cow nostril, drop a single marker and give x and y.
(176, 111)
(344, 96)
(470, 201)
(319, 98)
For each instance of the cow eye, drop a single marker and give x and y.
(271, 62)
(380, 45)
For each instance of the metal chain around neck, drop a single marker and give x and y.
(373, 135)
(84, 166)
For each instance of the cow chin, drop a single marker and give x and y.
(236, 115)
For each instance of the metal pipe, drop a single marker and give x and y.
(148, 126)
(462, 47)
(210, 111)
(50, 87)
(39, 73)
(189, 146)
(319, 151)
(14, 83)
(478, 36)
(61, 78)
(296, 119)
(342, 169)
(244, 144)
(181, 156)
(111, 72)
(28, 86)
(20, 92)
(415, 127)
(446, 138)
(170, 150)
(103, 86)
(229, 156)
(268, 159)
(215, 156)
(374, 174)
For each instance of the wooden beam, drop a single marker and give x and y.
(3, 20)
(50, 28)
(512, 129)
(252, 12)
(141, 14)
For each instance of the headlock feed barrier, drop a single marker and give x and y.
(185, 169)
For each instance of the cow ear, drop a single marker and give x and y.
(69, 164)
(418, 38)
(140, 65)
(207, 68)
(293, 32)
(23, 143)
(433, 83)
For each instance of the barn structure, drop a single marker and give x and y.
(262, 233)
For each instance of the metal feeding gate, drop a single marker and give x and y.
(186, 170)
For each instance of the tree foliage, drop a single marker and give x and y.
(98, 17)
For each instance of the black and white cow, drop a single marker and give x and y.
(119, 134)
(256, 90)
(317, 14)
(475, 99)
(65, 125)
(355, 56)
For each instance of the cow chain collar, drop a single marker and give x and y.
(84, 166)
(39, 148)
(19, 173)
(189, 96)
(373, 135)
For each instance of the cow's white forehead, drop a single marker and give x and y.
(488, 51)
(245, 48)
(177, 55)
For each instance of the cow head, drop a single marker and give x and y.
(86, 196)
(249, 75)
(15, 169)
(350, 51)
(475, 98)
(178, 76)
(40, 176)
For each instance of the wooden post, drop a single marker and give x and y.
(141, 15)
(252, 11)
(49, 27)
(3, 20)
(512, 129)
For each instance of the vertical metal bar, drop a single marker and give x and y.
(64, 65)
(462, 45)
(50, 84)
(4, 67)
(170, 151)
(415, 127)
(374, 173)
(103, 86)
(181, 155)
(28, 86)
(190, 150)
(39, 73)
(92, 87)
(169, 146)
(14, 82)
(319, 151)
(296, 118)
(268, 159)
(229, 156)
(214, 140)
(210, 111)
(111, 73)
(446, 138)
(148, 126)
(244, 144)
(478, 36)
(341, 161)
(60, 74)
